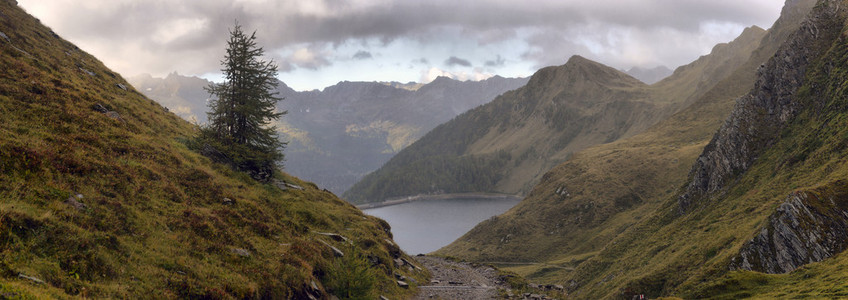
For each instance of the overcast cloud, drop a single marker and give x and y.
(314, 41)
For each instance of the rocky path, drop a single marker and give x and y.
(457, 280)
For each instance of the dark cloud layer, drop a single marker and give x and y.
(362, 55)
(456, 61)
(497, 62)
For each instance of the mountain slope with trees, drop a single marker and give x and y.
(101, 198)
(520, 135)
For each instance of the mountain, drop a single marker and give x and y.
(608, 188)
(182, 95)
(100, 197)
(762, 211)
(347, 130)
(507, 145)
(649, 76)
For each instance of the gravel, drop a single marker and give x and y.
(458, 280)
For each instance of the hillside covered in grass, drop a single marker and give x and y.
(761, 212)
(507, 145)
(582, 204)
(100, 197)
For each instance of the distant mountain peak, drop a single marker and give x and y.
(578, 70)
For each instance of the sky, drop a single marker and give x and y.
(317, 43)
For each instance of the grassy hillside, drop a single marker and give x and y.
(750, 222)
(690, 254)
(524, 133)
(580, 205)
(100, 197)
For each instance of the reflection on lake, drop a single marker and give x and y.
(426, 225)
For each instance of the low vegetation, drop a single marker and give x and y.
(607, 224)
(100, 197)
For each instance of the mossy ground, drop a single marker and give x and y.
(154, 223)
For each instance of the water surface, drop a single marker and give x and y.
(426, 225)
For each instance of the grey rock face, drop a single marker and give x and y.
(759, 117)
(804, 229)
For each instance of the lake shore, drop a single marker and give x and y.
(407, 199)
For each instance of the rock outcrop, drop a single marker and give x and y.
(808, 227)
(758, 117)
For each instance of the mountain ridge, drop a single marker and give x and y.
(783, 213)
(606, 187)
(576, 106)
(338, 134)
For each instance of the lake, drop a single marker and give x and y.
(424, 226)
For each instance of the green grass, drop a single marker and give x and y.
(155, 223)
(689, 255)
(617, 223)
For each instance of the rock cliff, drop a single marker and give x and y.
(808, 227)
(758, 117)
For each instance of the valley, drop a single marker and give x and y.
(337, 135)
(724, 178)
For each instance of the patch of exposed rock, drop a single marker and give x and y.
(758, 117)
(806, 228)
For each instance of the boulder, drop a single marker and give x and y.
(4, 36)
(31, 278)
(336, 251)
(279, 184)
(121, 86)
(75, 203)
(294, 186)
(411, 264)
(335, 236)
(99, 108)
(90, 73)
(115, 116)
(228, 201)
(402, 284)
(241, 252)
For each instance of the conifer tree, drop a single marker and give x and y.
(242, 109)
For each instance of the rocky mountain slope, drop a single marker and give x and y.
(608, 187)
(347, 130)
(101, 198)
(507, 145)
(766, 194)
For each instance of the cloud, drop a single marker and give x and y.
(431, 74)
(497, 62)
(141, 36)
(456, 61)
(361, 54)
(307, 57)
